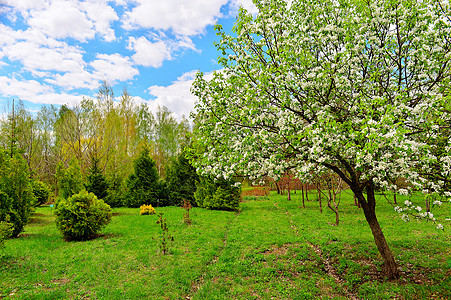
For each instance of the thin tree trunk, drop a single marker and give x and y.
(394, 198)
(369, 210)
(319, 200)
(303, 201)
(334, 208)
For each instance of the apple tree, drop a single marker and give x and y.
(352, 86)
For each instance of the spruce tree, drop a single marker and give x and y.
(143, 184)
(181, 180)
(96, 181)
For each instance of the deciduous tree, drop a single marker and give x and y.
(343, 85)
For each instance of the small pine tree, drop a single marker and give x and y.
(96, 181)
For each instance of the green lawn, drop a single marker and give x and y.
(271, 249)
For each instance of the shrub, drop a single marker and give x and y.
(116, 191)
(82, 216)
(220, 194)
(6, 229)
(16, 194)
(41, 192)
(147, 210)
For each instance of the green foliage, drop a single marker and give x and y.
(82, 216)
(41, 192)
(96, 182)
(16, 194)
(181, 180)
(70, 180)
(143, 185)
(6, 229)
(116, 191)
(220, 194)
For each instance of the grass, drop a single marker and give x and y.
(271, 249)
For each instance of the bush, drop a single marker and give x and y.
(147, 210)
(41, 192)
(16, 194)
(220, 194)
(116, 191)
(82, 216)
(6, 229)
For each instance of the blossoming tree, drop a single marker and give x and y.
(352, 86)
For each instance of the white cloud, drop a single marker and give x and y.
(80, 20)
(154, 53)
(149, 54)
(101, 14)
(37, 57)
(74, 80)
(246, 4)
(33, 91)
(176, 97)
(113, 67)
(181, 16)
(62, 19)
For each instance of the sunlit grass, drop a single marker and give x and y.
(272, 248)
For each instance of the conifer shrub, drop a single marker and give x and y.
(146, 210)
(16, 195)
(143, 185)
(41, 192)
(82, 216)
(116, 191)
(6, 229)
(96, 181)
(217, 194)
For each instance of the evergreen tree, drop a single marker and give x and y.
(143, 184)
(181, 180)
(96, 182)
(16, 194)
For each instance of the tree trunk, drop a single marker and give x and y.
(319, 200)
(394, 198)
(303, 200)
(369, 210)
(334, 208)
(278, 188)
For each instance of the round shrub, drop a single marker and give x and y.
(82, 216)
(147, 210)
(41, 192)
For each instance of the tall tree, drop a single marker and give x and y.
(347, 86)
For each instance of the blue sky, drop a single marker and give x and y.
(59, 51)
